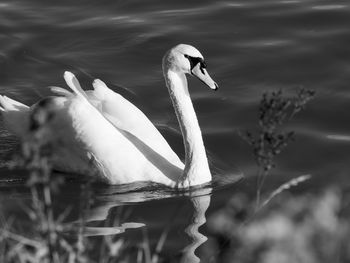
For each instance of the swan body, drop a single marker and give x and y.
(101, 133)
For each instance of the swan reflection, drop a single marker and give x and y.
(109, 201)
(200, 205)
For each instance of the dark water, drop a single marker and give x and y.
(250, 46)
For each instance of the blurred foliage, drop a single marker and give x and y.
(305, 229)
(50, 239)
(49, 244)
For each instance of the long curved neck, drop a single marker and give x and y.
(196, 169)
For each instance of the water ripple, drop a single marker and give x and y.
(329, 7)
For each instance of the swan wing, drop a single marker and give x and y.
(119, 154)
(126, 116)
(86, 142)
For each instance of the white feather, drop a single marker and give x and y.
(60, 91)
(74, 84)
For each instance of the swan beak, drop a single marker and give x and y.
(202, 74)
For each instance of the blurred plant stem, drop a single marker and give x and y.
(36, 154)
(49, 244)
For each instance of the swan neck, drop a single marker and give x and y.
(196, 169)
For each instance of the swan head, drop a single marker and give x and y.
(187, 59)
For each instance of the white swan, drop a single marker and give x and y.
(102, 128)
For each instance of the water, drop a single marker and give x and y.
(250, 47)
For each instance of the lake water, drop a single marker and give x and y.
(250, 46)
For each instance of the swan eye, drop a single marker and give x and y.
(195, 60)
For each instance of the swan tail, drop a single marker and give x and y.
(74, 84)
(3, 103)
(15, 115)
(60, 91)
(8, 104)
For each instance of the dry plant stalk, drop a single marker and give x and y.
(274, 111)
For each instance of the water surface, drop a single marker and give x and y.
(250, 46)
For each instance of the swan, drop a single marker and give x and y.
(99, 132)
